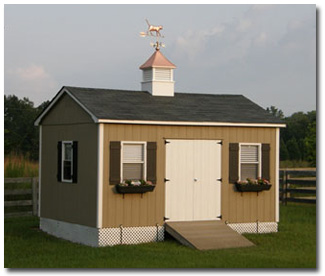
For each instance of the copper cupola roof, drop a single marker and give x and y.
(157, 60)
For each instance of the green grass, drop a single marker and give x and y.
(294, 246)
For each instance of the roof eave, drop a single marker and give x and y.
(184, 123)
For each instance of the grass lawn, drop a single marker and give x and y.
(293, 247)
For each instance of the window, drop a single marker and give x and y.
(133, 160)
(67, 170)
(250, 161)
(67, 153)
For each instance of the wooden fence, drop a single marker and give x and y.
(298, 185)
(25, 193)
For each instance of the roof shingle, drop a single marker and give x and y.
(183, 107)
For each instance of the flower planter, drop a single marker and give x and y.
(134, 189)
(253, 187)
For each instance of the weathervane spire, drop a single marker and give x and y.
(154, 31)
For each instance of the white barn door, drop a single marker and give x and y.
(193, 168)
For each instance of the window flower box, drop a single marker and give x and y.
(134, 187)
(253, 185)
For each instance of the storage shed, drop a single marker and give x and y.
(192, 147)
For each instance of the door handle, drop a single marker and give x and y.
(195, 179)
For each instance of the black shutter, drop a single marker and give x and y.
(233, 162)
(115, 162)
(266, 161)
(59, 162)
(75, 162)
(152, 162)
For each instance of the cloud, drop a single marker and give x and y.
(30, 80)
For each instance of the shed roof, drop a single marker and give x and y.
(129, 105)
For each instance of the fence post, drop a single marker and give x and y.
(35, 199)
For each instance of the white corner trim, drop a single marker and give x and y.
(100, 167)
(55, 99)
(182, 123)
(277, 179)
(39, 170)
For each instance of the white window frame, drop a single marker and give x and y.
(144, 162)
(259, 173)
(62, 161)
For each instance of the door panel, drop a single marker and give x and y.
(193, 167)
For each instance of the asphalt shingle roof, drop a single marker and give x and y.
(186, 107)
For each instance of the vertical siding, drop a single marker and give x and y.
(149, 209)
(69, 202)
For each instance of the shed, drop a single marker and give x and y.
(192, 147)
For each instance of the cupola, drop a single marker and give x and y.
(157, 75)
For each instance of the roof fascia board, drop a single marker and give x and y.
(54, 101)
(108, 121)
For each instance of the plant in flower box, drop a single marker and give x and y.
(253, 185)
(134, 186)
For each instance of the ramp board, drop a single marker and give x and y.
(206, 235)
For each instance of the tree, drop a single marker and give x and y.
(310, 143)
(284, 153)
(294, 150)
(275, 112)
(20, 134)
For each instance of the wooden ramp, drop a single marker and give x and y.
(206, 235)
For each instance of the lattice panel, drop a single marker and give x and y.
(130, 235)
(254, 227)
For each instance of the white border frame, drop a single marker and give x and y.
(62, 163)
(144, 143)
(259, 158)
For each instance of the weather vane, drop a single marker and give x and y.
(154, 31)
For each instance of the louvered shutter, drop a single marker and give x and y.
(114, 162)
(59, 162)
(266, 161)
(233, 162)
(152, 162)
(75, 162)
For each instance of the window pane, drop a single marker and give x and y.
(67, 151)
(249, 171)
(67, 170)
(249, 154)
(133, 153)
(133, 171)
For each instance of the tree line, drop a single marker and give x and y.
(298, 139)
(21, 137)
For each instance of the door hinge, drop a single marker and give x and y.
(166, 142)
(220, 143)
(219, 179)
(165, 179)
(166, 218)
(219, 217)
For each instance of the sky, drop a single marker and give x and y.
(264, 52)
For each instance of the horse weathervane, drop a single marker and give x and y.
(154, 31)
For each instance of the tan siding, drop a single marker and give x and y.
(135, 210)
(70, 202)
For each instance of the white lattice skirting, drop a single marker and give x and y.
(101, 237)
(254, 227)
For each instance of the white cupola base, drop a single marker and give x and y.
(157, 77)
